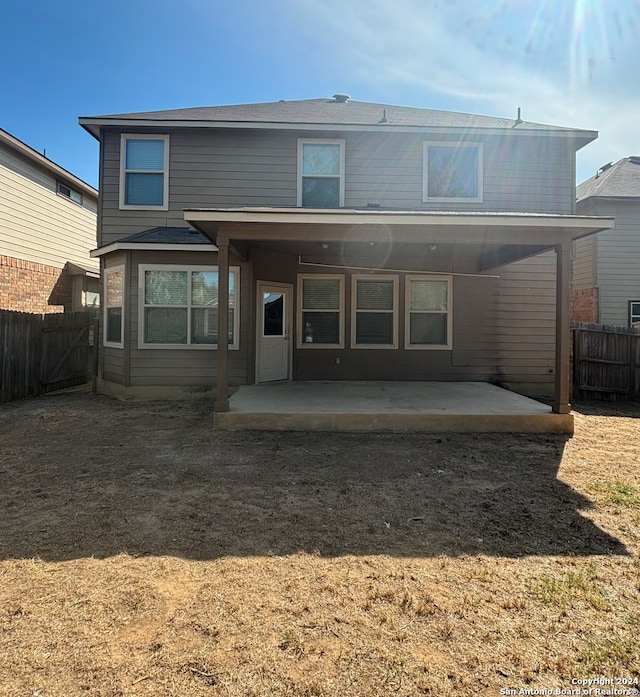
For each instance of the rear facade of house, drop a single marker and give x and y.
(363, 242)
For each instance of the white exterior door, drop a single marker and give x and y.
(273, 355)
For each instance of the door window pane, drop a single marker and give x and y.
(273, 316)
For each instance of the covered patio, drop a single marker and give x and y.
(336, 405)
(471, 244)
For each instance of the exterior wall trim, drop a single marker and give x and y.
(154, 247)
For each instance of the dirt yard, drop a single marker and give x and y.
(142, 553)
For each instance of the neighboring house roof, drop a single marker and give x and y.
(619, 180)
(161, 238)
(327, 113)
(55, 169)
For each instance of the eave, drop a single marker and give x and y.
(56, 170)
(300, 223)
(154, 247)
(94, 124)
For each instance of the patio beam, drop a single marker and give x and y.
(563, 327)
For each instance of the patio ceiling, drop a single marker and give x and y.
(489, 238)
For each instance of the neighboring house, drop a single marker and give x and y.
(360, 242)
(606, 268)
(47, 229)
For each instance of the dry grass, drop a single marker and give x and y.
(142, 554)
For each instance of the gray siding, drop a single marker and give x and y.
(524, 324)
(185, 367)
(584, 263)
(618, 278)
(259, 168)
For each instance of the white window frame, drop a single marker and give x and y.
(142, 268)
(425, 172)
(124, 171)
(631, 315)
(408, 311)
(107, 273)
(354, 310)
(69, 193)
(322, 141)
(300, 343)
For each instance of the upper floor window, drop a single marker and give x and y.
(320, 173)
(69, 193)
(144, 172)
(452, 172)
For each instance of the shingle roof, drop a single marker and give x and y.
(168, 235)
(619, 180)
(329, 112)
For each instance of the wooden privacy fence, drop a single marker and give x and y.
(42, 353)
(606, 362)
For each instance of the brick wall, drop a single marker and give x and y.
(29, 287)
(585, 305)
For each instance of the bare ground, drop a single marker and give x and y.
(142, 553)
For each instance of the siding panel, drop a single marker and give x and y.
(259, 168)
(38, 225)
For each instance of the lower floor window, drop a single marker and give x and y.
(321, 315)
(634, 312)
(179, 306)
(113, 306)
(428, 320)
(374, 311)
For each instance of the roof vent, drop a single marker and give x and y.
(341, 98)
(635, 159)
(604, 168)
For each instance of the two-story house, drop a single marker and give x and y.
(353, 242)
(606, 284)
(47, 229)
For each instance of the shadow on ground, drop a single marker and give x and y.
(84, 475)
(629, 410)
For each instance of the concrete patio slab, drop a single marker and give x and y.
(388, 406)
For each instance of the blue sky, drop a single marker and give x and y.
(565, 62)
